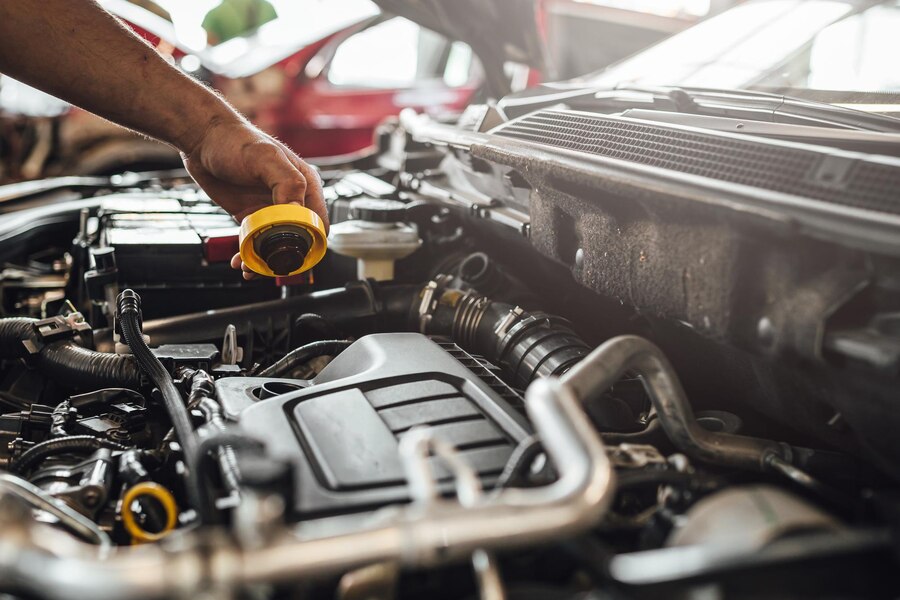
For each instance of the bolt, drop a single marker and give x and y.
(90, 497)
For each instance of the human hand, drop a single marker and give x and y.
(243, 169)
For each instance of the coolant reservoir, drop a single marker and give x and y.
(377, 235)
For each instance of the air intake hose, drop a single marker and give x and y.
(526, 345)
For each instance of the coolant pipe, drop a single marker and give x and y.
(609, 362)
(419, 534)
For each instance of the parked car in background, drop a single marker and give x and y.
(322, 88)
(325, 96)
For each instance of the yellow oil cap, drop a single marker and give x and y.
(282, 240)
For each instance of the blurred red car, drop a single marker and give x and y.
(324, 96)
(321, 88)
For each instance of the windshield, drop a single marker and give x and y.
(786, 46)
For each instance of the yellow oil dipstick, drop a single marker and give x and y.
(138, 534)
(282, 240)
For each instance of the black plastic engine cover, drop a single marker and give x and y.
(342, 431)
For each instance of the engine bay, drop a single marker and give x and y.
(501, 381)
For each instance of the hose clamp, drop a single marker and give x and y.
(429, 302)
(511, 317)
(60, 328)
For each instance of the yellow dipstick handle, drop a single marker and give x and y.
(282, 240)
(157, 492)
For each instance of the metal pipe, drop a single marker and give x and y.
(73, 520)
(415, 450)
(608, 363)
(414, 535)
(447, 531)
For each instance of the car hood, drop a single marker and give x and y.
(499, 31)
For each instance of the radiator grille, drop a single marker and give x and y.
(796, 171)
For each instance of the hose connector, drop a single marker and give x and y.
(127, 303)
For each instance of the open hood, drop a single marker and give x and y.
(499, 31)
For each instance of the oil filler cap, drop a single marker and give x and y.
(282, 240)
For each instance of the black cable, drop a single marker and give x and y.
(63, 445)
(129, 318)
(304, 354)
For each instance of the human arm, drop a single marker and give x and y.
(75, 50)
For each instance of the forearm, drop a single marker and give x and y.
(75, 50)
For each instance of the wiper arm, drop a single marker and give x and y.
(763, 106)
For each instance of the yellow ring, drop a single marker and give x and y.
(161, 494)
(282, 214)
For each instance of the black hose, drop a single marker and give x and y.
(13, 333)
(304, 354)
(526, 345)
(129, 318)
(316, 325)
(63, 445)
(227, 460)
(202, 396)
(67, 363)
(72, 366)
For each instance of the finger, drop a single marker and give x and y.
(315, 194)
(274, 169)
(236, 261)
(247, 273)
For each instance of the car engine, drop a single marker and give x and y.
(501, 382)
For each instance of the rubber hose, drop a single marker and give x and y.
(303, 354)
(227, 460)
(72, 443)
(201, 396)
(77, 367)
(67, 363)
(14, 331)
(129, 318)
(315, 324)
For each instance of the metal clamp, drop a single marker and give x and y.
(428, 303)
(511, 317)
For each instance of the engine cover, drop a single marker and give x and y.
(342, 429)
